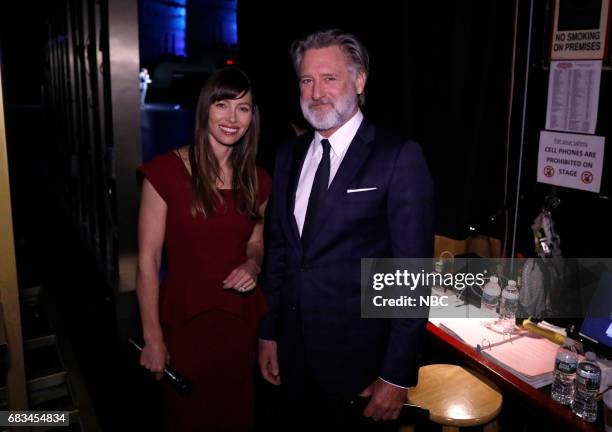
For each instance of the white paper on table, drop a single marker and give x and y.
(474, 331)
(531, 356)
(573, 95)
(548, 326)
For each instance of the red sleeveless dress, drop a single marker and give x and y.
(210, 332)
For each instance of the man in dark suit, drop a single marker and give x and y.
(348, 191)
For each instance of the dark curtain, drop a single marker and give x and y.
(440, 74)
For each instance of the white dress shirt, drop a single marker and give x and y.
(340, 142)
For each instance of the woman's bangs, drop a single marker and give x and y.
(229, 92)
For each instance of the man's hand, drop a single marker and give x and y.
(268, 361)
(386, 402)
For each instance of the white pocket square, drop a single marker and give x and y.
(360, 190)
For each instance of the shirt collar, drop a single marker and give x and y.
(341, 139)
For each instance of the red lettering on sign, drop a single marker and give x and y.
(549, 171)
(587, 177)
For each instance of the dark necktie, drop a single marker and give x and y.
(317, 193)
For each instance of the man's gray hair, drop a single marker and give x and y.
(354, 50)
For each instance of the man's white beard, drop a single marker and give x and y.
(335, 117)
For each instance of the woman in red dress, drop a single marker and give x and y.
(204, 204)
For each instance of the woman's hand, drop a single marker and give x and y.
(243, 278)
(154, 357)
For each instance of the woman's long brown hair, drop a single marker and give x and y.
(226, 83)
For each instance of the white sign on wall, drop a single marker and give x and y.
(571, 160)
(573, 96)
(580, 30)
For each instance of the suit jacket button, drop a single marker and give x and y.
(293, 308)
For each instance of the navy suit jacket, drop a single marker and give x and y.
(314, 296)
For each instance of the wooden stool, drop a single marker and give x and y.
(457, 397)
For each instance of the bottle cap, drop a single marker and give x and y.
(590, 355)
(494, 279)
(511, 282)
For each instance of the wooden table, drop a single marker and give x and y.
(508, 382)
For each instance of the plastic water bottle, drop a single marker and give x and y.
(509, 306)
(490, 295)
(566, 363)
(588, 378)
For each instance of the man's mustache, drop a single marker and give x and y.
(320, 103)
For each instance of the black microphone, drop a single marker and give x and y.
(181, 384)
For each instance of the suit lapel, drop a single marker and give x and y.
(356, 155)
